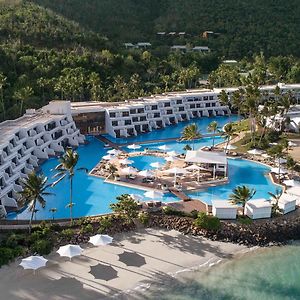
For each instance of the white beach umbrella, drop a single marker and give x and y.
(134, 147)
(33, 262)
(114, 152)
(137, 197)
(156, 165)
(255, 152)
(292, 144)
(279, 170)
(230, 147)
(126, 161)
(172, 153)
(100, 239)
(69, 250)
(108, 157)
(128, 171)
(195, 168)
(154, 194)
(291, 182)
(265, 155)
(172, 158)
(146, 173)
(176, 171)
(280, 160)
(273, 144)
(164, 148)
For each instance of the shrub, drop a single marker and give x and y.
(168, 210)
(126, 205)
(207, 222)
(104, 224)
(144, 218)
(35, 236)
(244, 220)
(15, 240)
(194, 213)
(42, 247)
(67, 233)
(55, 227)
(6, 255)
(86, 228)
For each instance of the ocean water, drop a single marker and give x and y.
(264, 274)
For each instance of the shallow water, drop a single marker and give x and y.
(272, 273)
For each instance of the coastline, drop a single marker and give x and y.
(166, 254)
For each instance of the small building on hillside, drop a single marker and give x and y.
(210, 34)
(129, 45)
(143, 45)
(182, 48)
(203, 49)
(258, 209)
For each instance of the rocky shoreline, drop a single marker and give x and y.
(278, 231)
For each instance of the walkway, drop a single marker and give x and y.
(105, 140)
(179, 194)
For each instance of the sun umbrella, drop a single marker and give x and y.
(114, 151)
(132, 259)
(176, 171)
(153, 194)
(146, 173)
(172, 153)
(255, 152)
(156, 165)
(164, 148)
(69, 250)
(104, 272)
(291, 182)
(33, 262)
(292, 144)
(100, 239)
(136, 197)
(195, 168)
(134, 147)
(265, 155)
(108, 157)
(280, 160)
(279, 170)
(126, 161)
(171, 158)
(128, 171)
(230, 147)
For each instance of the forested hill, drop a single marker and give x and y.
(246, 26)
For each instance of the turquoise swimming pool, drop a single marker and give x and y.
(92, 195)
(143, 162)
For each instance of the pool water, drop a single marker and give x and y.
(143, 162)
(174, 131)
(241, 172)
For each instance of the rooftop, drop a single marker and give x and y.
(259, 203)
(222, 204)
(206, 157)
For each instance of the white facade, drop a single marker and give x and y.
(27, 141)
(223, 209)
(287, 203)
(258, 209)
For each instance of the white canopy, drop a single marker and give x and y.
(172, 158)
(287, 198)
(136, 197)
(69, 250)
(146, 173)
(194, 168)
(206, 157)
(153, 194)
(33, 262)
(291, 182)
(255, 152)
(156, 165)
(230, 147)
(223, 204)
(164, 148)
(126, 161)
(295, 190)
(279, 170)
(100, 239)
(265, 155)
(134, 147)
(172, 153)
(128, 171)
(176, 171)
(108, 157)
(114, 151)
(259, 203)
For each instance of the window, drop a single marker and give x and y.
(127, 122)
(112, 114)
(114, 123)
(125, 114)
(154, 107)
(135, 119)
(167, 104)
(179, 101)
(205, 98)
(132, 111)
(211, 97)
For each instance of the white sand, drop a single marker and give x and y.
(162, 253)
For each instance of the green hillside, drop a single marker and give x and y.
(246, 27)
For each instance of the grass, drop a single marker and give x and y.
(242, 125)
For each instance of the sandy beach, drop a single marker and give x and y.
(154, 255)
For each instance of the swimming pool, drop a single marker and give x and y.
(241, 172)
(143, 162)
(174, 131)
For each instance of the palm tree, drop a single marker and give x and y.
(53, 210)
(187, 147)
(34, 190)
(275, 200)
(112, 169)
(291, 164)
(276, 152)
(223, 98)
(241, 194)
(190, 133)
(23, 95)
(228, 133)
(2, 84)
(66, 167)
(213, 127)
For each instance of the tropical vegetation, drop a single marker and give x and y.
(240, 195)
(191, 133)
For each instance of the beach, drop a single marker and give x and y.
(147, 257)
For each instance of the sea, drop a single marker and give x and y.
(265, 273)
